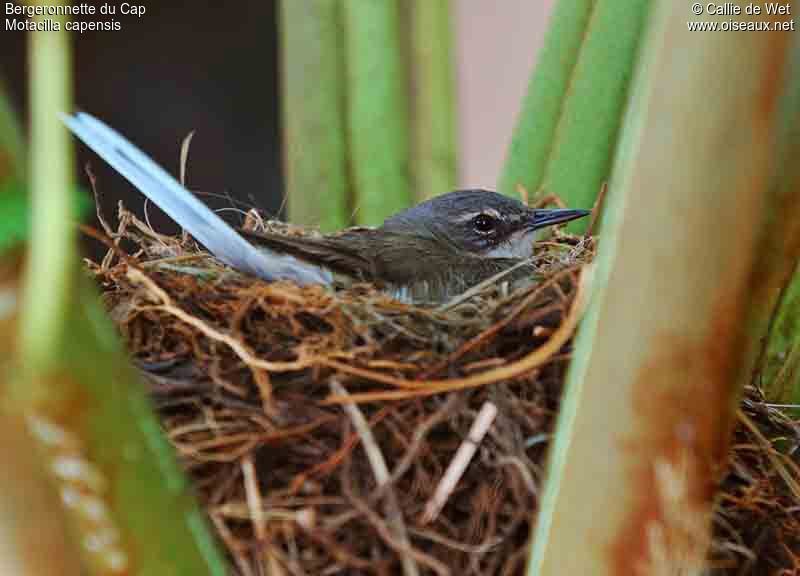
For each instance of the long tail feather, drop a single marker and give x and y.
(183, 207)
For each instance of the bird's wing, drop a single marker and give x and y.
(346, 253)
(183, 207)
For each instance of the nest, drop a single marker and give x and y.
(249, 379)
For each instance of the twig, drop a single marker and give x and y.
(419, 436)
(238, 347)
(792, 482)
(381, 472)
(460, 461)
(598, 205)
(481, 285)
(253, 498)
(417, 388)
(492, 330)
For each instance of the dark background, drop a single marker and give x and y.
(211, 67)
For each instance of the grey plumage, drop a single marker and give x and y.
(434, 250)
(430, 252)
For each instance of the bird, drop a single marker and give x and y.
(428, 253)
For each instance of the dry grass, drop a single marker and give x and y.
(247, 376)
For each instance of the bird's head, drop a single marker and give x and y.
(480, 222)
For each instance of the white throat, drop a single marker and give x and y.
(519, 245)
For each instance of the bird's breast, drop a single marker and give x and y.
(450, 281)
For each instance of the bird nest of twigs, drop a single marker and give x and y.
(249, 379)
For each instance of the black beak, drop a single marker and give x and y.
(544, 218)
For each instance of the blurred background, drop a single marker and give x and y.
(187, 66)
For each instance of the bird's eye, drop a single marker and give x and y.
(483, 223)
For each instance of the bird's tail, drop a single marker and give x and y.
(183, 207)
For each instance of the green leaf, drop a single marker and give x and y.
(74, 385)
(566, 132)
(377, 109)
(315, 140)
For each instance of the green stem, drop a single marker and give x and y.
(433, 115)
(377, 109)
(778, 286)
(313, 112)
(566, 132)
(52, 259)
(129, 506)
